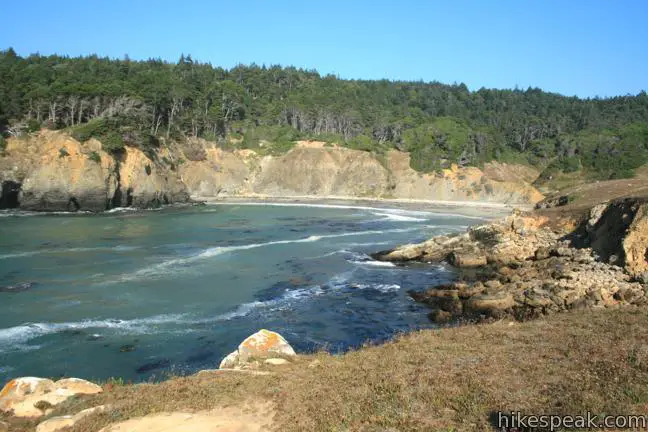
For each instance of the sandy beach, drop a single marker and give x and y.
(479, 209)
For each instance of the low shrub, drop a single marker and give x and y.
(95, 157)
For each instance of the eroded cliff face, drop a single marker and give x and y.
(316, 169)
(145, 183)
(324, 172)
(459, 184)
(52, 171)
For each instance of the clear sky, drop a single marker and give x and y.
(573, 47)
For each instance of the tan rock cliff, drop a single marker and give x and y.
(52, 171)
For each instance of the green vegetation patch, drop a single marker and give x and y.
(95, 157)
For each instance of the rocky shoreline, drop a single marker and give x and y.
(530, 264)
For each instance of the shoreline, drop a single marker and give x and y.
(479, 209)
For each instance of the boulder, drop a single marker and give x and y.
(56, 424)
(264, 344)
(489, 303)
(439, 316)
(34, 397)
(77, 386)
(595, 214)
(467, 259)
(403, 253)
(443, 298)
(230, 361)
(542, 253)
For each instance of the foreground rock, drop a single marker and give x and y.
(56, 424)
(263, 346)
(34, 397)
(527, 265)
(513, 239)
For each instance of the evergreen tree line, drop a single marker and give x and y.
(141, 102)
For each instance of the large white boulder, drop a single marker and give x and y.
(34, 397)
(264, 344)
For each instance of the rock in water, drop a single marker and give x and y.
(264, 344)
(18, 287)
(23, 395)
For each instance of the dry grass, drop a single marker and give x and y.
(450, 379)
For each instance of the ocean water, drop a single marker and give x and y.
(139, 294)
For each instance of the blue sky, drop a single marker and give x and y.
(573, 47)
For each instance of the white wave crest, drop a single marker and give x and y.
(120, 248)
(399, 217)
(131, 209)
(373, 263)
(378, 287)
(156, 270)
(14, 337)
(398, 211)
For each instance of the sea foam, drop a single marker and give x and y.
(158, 270)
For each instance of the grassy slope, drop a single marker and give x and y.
(450, 379)
(586, 193)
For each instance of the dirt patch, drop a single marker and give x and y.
(257, 417)
(314, 144)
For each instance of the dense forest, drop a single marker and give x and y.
(148, 103)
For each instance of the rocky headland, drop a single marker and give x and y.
(536, 263)
(52, 171)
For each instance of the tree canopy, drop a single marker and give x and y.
(126, 101)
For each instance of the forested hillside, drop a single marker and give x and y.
(144, 103)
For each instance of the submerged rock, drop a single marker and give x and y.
(262, 345)
(159, 364)
(18, 287)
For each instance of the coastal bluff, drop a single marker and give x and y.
(51, 171)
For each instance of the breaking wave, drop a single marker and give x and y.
(119, 248)
(156, 270)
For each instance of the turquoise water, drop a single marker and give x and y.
(139, 294)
